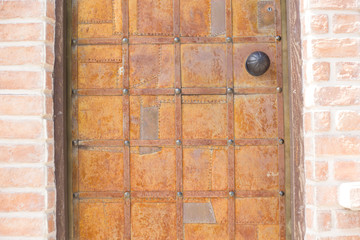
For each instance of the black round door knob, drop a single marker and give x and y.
(257, 63)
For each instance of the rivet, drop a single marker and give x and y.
(177, 90)
(228, 39)
(125, 91)
(75, 142)
(282, 193)
(73, 41)
(125, 40)
(279, 89)
(177, 39)
(269, 9)
(230, 142)
(75, 195)
(278, 38)
(229, 90)
(231, 193)
(178, 142)
(127, 143)
(281, 141)
(74, 91)
(127, 194)
(179, 194)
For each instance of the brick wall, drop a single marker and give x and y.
(27, 191)
(331, 72)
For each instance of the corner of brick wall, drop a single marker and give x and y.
(331, 72)
(27, 185)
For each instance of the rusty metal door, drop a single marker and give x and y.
(176, 132)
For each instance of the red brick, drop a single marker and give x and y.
(321, 171)
(21, 55)
(51, 199)
(326, 196)
(21, 9)
(307, 122)
(20, 80)
(335, 48)
(24, 227)
(337, 96)
(309, 146)
(14, 129)
(21, 32)
(50, 32)
(309, 169)
(50, 148)
(309, 195)
(345, 23)
(50, 9)
(309, 217)
(21, 177)
(21, 153)
(51, 223)
(319, 24)
(348, 219)
(323, 219)
(337, 145)
(348, 121)
(17, 202)
(321, 71)
(322, 121)
(49, 55)
(348, 71)
(50, 176)
(333, 4)
(347, 171)
(21, 105)
(49, 81)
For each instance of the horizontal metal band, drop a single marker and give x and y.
(170, 40)
(173, 194)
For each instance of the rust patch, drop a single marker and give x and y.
(149, 128)
(199, 213)
(217, 17)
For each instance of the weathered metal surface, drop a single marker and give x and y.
(174, 138)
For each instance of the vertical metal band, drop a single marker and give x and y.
(281, 132)
(74, 232)
(126, 119)
(230, 123)
(178, 124)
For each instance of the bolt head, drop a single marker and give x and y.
(177, 39)
(228, 39)
(179, 194)
(177, 90)
(74, 91)
(75, 142)
(279, 89)
(278, 38)
(281, 141)
(125, 40)
(231, 193)
(73, 41)
(269, 9)
(178, 142)
(230, 142)
(127, 143)
(127, 194)
(282, 193)
(229, 90)
(125, 91)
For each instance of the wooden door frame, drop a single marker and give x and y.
(295, 103)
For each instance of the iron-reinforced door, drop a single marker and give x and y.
(177, 120)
